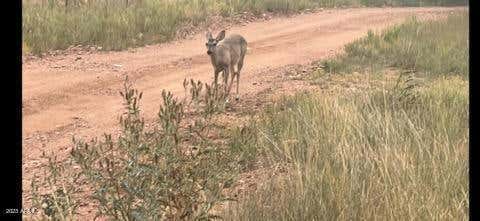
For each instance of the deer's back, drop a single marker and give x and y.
(236, 45)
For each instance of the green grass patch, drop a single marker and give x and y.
(116, 25)
(438, 47)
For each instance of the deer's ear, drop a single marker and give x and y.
(220, 36)
(208, 35)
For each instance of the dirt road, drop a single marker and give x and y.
(78, 93)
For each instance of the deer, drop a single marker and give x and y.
(226, 54)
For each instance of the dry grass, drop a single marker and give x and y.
(391, 151)
(369, 156)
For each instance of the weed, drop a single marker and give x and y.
(147, 174)
(59, 201)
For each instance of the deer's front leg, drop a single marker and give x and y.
(216, 77)
(225, 79)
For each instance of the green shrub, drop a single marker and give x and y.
(172, 171)
(59, 200)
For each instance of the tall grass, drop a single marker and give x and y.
(115, 25)
(367, 157)
(108, 24)
(396, 152)
(433, 47)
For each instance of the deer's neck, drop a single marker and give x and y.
(218, 57)
(213, 58)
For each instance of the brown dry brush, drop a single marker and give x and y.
(405, 90)
(143, 174)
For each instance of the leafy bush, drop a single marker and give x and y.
(59, 201)
(172, 171)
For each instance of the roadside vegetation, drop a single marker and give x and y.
(398, 151)
(433, 48)
(393, 152)
(171, 171)
(115, 25)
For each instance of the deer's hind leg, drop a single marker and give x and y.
(232, 69)
(239, 68)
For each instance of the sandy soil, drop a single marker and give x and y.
(77, 93)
